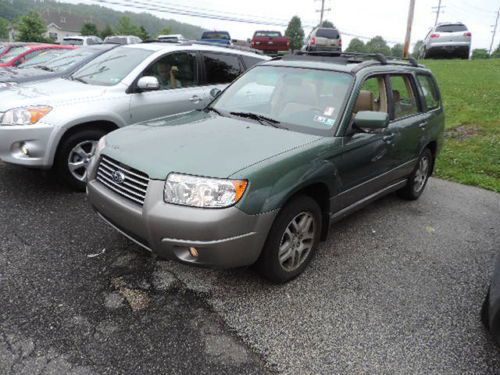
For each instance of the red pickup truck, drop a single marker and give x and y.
(270, 42)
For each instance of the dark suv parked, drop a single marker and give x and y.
(291, 146)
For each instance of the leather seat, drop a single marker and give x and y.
(364, 101)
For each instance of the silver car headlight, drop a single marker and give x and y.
(204, 192)
(24, 116)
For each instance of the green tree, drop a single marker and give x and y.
(143, 34)
(416, 48)
(108, 31)
(377, 44)
(165, 31)
(295, 33)
(4, 28)
(496, 53)
(89, 28)
(480, 53)
(125, 26)
(327, 23)
(397, 50)
(31, 28)
(356, 45)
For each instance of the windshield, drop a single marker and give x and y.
(13, 52)
(451, 28)
(69, 59)
(111, 67)
(73, 42)
(43, 57)
(272, 34)
(216, 35)
(306, 100)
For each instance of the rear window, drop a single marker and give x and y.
(221, 68)
(116, 40)
(215, 35)
(327, 33)
(429, 91)
(13, 52)
(250, 61)
(271, 34)
(451, 28)
(72, 42)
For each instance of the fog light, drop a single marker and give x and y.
(25, 150)
(194, 252)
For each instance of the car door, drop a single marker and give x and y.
(407, 122)
(219, 69)
(366, 163)
(180, 91)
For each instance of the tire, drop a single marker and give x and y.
(286, 229)
(419, 177)
(69, 153)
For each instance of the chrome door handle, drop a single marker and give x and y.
(388, 138)
(195, 99)
(422, 125)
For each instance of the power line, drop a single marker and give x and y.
(438, 11)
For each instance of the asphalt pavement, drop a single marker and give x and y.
(397, 288)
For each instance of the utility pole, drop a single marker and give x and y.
(411, 11)
(322, 11)
(494, 32)
(438, 11)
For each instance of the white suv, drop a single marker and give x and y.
(57, 123)
(447, 40)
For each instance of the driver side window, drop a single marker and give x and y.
(372, 96)
(175, 70)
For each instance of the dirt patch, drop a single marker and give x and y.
(462, 132)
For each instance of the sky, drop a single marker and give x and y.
(366, 18)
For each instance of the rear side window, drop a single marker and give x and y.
(451, 28)
(327, 33)
(221, 68)
(429, 91)
(404, 101)
(250, 61)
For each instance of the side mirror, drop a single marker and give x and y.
(215, 92)
(148, 83)
(371, 120)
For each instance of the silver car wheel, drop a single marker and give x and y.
(79, 159)
(297, 241)
(421, 174)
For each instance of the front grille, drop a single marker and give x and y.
(123, 180)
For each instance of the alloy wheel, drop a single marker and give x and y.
(421, 174)
(79, 159)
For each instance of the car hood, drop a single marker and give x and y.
(52, 92)
(199, 143)
(23, 75)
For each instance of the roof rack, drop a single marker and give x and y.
(186, 42)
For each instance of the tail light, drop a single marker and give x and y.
(434, 35)
(468, 33)
(313, 41)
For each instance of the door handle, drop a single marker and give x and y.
(195, 99)
(388, 138)
(422, 125)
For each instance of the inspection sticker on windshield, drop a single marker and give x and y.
(324, 120)
(328, 111)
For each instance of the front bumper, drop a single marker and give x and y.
(224, 238)
(35, 139)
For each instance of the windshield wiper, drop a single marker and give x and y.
(73, 78)
(43, 67)
(212, 109)
(260, 118)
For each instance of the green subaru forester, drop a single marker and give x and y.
(258, 176)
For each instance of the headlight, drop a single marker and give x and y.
(203, 192)
(24, 116)
(100, 145)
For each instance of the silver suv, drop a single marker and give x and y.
(323, 39)
(57, 123)
(447, 40)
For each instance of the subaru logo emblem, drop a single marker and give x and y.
(118, 177)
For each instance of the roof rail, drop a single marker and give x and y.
(203, 43)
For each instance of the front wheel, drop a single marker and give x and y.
(418, 179)
(292, 240)
(73, 157)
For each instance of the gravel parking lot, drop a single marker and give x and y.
(396, 289)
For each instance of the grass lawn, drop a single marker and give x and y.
(471, 94)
